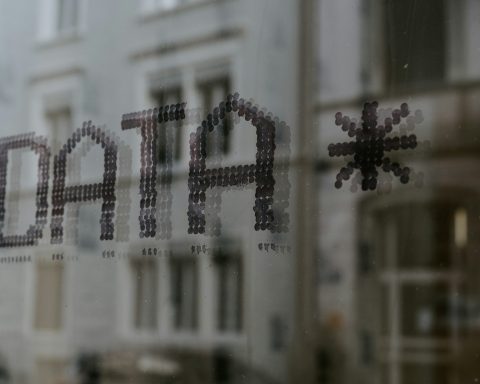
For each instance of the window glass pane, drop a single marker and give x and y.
(184, 298)
(229, 292)
(415, 42)
(213, 93)
(145, 285)
(50, 371)
(49, 296)
(386, 310)
(68, 12)
(169, 136)
(60, 125)
(426, 310)
(424, 235)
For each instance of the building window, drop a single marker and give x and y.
(50, 371)
(229, 292)
(49, 296)
(278, 330)
(67, 15)
(60, 18)
(170, 135)
(212, 94)
(415, 42)
(59, 122)
(184, 289)
(223, 367)
(324, 366)
(418, 256)
(145, 286)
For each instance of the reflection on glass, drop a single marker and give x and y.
(379, 287)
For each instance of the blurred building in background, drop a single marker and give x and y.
(398, 289)
(366, 287)
(215, 308)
